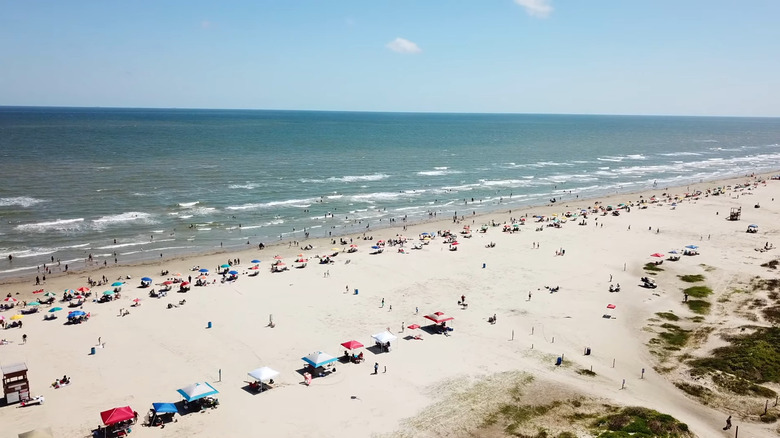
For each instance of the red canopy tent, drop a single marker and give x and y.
(351, 345)
(439, 317)
(116, 415)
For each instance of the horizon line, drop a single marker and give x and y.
(381, 111)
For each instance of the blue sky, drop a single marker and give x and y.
(694, 57)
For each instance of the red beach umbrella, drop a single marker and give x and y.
(167, 282)
(83, 289)
(610, 306)
(658, 254)
(439, 317)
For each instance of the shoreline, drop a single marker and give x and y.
(326, 242)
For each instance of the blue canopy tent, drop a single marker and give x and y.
(318, 359)
(197, 391)
(162, 408)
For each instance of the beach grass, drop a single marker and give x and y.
(586, 372)
(691, 278)
(697, 391)
(652, 267)
(748, 361)
(772, 264)
(669, 316)
(639, 422)
(698, 291)
(699, 306)
(674, 337)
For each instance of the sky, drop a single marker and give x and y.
(644, 57)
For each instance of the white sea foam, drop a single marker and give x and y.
(301, 203)
(349, 178)
(438, 172)
(188, 204)
(21, 201)
(121, 218)
(441, 168)
(680, 154)
(247, 186)
(57, 225)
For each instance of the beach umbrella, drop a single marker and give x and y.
(167, 282)
(117, 284)
(674, 251)
(83, 289)
(79, 297)
(255, 261)
(318, 359)
(76, 313)
(233, 272)
(351, 345)
(108, 292)
(225, 266)
(413, 326)
(137, 300)
(52, 294)
(752, 226)
(254, 268)
(263, 373)
(34, 303)
(203, 270)
(178, 274)
(2, 317)
(374, 247)
(454, 243)
(38, 433)
(55, 309)
(353, 246)
(658, 254)
(147, 279)
(10, 300)
(278, 257)
(610, 306)
(692, 247)
(384, 337)
(197, 391)
(17, 317)
(117, 415)
(438, 317)
(165, 408)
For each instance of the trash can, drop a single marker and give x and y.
(559, 361)
(356, 291)
(92, 351)
(208, 325)
(587, 351)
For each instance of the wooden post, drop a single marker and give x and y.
(736, 432)
(613, 363)
(532, 330)
(766, 407)
(553, 339)
(624, 384)
(513, 335)
(562, 357)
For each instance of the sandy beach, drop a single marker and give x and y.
(434, 386)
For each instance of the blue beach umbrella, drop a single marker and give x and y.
(55, 309)
(692, 247)
(204, 270)
(146, 279)
(255, 261)
(76, 313)
(108, 292)
(233, 272)
(374, 247)
(34, 303)
(117, 284)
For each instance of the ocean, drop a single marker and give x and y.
(137, 183)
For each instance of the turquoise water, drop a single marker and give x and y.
(186, 181)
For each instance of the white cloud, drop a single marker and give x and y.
(402, 45)
(536, 8)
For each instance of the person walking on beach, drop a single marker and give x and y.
(383, 302)
(529, 295)
(728, 423)
(376, 369)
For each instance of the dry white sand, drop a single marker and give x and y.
(154, 350)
